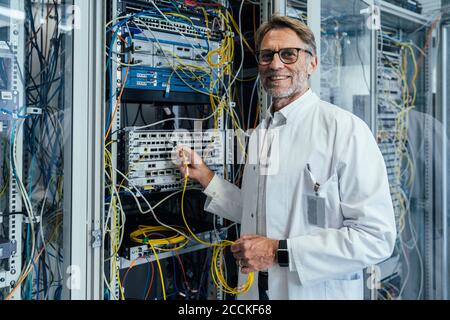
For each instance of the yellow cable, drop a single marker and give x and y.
(141, 236)
(216, 272)
(160, 271)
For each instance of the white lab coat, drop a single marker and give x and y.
(326, 261)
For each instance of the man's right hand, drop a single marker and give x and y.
(192, 163)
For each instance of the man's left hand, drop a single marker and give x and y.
(255, 253)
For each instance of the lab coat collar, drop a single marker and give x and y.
(294, 109)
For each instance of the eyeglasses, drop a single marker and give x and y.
(287, 55)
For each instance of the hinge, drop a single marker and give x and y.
(96, 238)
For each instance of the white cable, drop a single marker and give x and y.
(41, 229)
(185, 38)
(123, 216)
(172, 119)
(113, 272)
(173, 194)
(27, 202)
(242, 45)
(175, 69)
(128, 65)
(148, 204)
(128, 16)
(255, 86)
(172, 66)
(113, 294)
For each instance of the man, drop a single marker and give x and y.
(320, 211)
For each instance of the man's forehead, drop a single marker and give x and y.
(283, 37)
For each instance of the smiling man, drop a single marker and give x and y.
(312, 225)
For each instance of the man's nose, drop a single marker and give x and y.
(276, 62)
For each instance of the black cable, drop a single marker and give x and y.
(12, 214)
(137, 115)
(125, 115)
(142, 115)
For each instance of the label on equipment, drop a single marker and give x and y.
(7, 95)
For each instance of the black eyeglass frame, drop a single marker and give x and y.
(278, 52)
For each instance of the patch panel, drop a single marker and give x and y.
(390, 157)
(150, 156)
(196, 27)
(388, 120)
(133, 252)
(387, 115)
(387, 148)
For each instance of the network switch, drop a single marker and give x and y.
(170, 60)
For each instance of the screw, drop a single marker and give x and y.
(2, 279)
(13, 271)
(12, 283)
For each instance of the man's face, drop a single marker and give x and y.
(286, 81)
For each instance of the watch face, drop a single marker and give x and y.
(283, 258)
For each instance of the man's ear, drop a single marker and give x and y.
(312, 65)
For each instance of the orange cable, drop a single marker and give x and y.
(25, 275)
(117, 104)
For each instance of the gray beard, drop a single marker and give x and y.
(281, 95)
(301, 87)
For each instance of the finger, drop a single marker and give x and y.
(184, 153)
(184, 149)
(196, 159)
(235, 248)
(193, 157)
(238, 256)
(246, 270)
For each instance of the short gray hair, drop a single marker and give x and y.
(279, 22)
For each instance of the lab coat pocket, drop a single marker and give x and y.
(330, 191)
(323, 207)
(350, 288)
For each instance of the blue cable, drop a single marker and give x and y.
(44, 279)
(53, 163)
(29, 284)
(113, 40)
(37, 269)
(58, 291)
(14, 115)
(117, 27)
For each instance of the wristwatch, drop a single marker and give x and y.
(283, 254)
